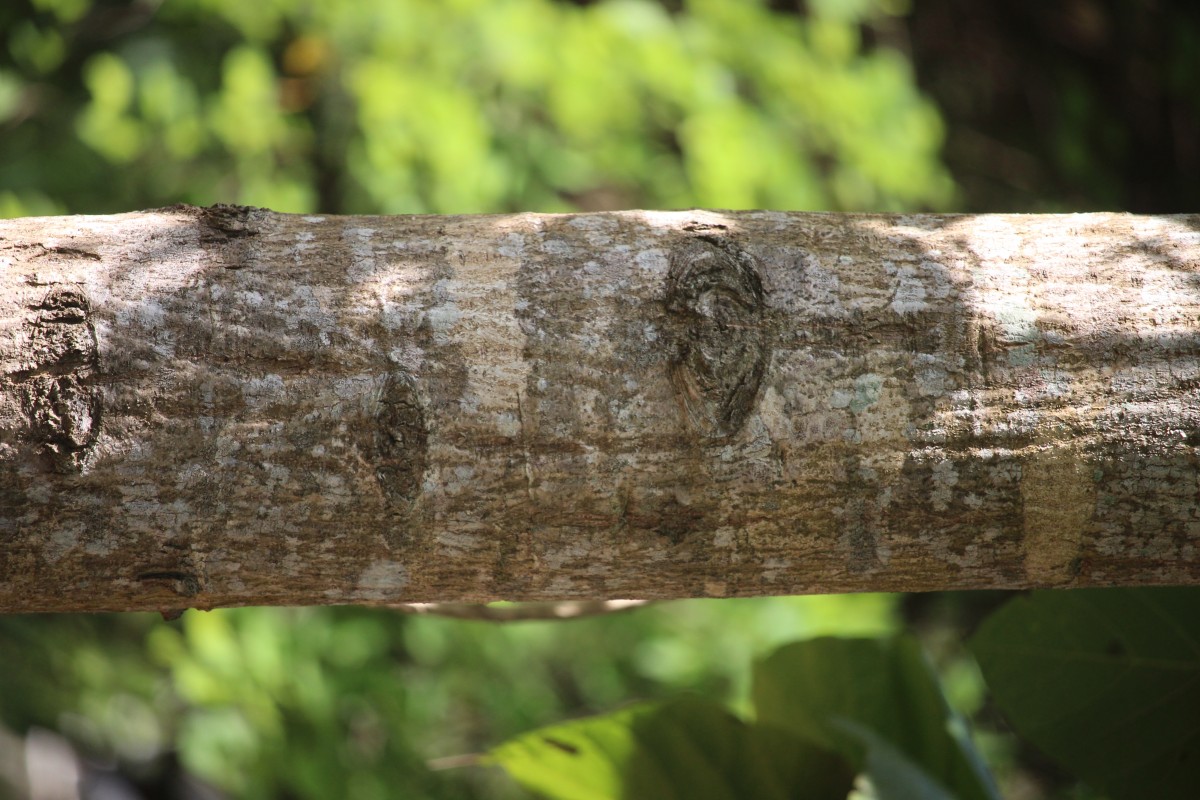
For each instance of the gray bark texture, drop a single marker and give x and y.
(228, 406)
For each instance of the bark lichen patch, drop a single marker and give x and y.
(61, 541)
(382, 580)
(714, 287)
(867, 389)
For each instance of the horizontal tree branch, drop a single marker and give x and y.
(228, 406)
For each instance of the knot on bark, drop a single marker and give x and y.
(721, 347)
(400, 440)
(232, 221)
(61, 405)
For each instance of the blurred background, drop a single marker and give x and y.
(466, 106)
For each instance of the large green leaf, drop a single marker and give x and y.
(829, 690)
(687, 748)
(1106, 681)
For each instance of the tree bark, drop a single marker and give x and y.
(228, 406)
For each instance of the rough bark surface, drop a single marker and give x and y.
(227, 406)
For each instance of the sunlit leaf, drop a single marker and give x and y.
(686, 749)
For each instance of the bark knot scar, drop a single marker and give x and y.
(232, 222)
(721, 350)
(61, 404)
(401, 440)
(180, 582)
(229, 231)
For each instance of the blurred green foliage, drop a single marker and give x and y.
(412, 106)
(342, 702)
(398, 106)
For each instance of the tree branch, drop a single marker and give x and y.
(227, 406)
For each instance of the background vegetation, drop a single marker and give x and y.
(462, 106)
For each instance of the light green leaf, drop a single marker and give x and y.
(1106, 681)
(688, 748)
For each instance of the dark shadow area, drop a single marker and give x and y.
(1065, 106)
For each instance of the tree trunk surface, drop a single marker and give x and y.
(229, 406)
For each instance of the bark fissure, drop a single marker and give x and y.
(224, 406)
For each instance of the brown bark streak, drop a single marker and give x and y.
(208, 407)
